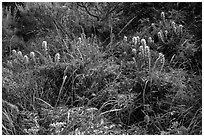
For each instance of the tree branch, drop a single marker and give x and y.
(87, 10)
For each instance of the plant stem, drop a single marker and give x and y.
(64, 79)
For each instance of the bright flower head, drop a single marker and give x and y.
(166, 34)
(32, 56)
(143, 41)
(138, 39)
(161, 55)
(80, 41)
(125, 38)
(9, 64)
(20, 55)
(147, 51)
(180, 29)
(134, 51)
(153, 25)
(160, 35)
(141, 49)
(26, 59)
(150, 40)
(173, 26)
(14, 52)
(134, 40)
(162, 16)
(57, 57)
(44, 45)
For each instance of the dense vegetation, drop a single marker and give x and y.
(101, 68)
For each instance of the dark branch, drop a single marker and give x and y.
(87, 10)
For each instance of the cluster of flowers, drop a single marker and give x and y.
(45, 49)
(166, 30)
(26, 60)
(170, 25)
(140, 47)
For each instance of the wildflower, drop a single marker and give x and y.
(32, 56)
(125, 38)
(166, 34)
(143, 41)
(134, 51)
(141, 49)
(160, 35)
(180, 29)
(80, 41)
(153, 26)
(161, 55)
(9, 64)
(16, 61)
(147, 51)
(173, 26)
(134, 40)
(134, 59)
(57, 57)
(163, 16)
(145, 47)
(14, 53)
(125, 53)
(138, 39)
(150, 41)
(160, 59)
(147, 54)
(172, 113)
(20, 55)
(26, 59)
(44, 45)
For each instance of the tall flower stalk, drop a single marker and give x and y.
(26, 60)
(20, 56)
(160, 59)
(146, 52)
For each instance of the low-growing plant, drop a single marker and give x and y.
(172, 39)
(69, 85)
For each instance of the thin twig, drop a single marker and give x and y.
(44, 102)
(126, 25)
(113, 110)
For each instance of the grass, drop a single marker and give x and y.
(80, 89)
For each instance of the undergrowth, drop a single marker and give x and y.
(142, 84)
